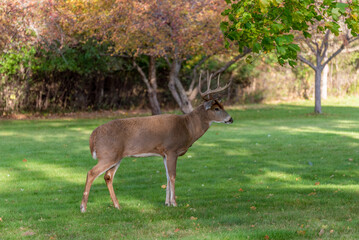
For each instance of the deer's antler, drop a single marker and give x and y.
(209, 94)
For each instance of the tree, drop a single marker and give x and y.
(169, 29)
(318, 47)
(268, 25)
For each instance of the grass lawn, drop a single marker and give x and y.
(278, 172)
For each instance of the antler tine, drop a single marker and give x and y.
(208, 93)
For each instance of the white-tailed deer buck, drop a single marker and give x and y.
(167, 136)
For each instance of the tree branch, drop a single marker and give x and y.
(228, 64)
(144, 78)
(310, 45)
(353, 39)
(334, 55)
(339, 51)
(301, 58)
(324, 44)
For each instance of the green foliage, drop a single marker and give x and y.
(277, 171)
(83, 59)
(13, 60)
(267, 25)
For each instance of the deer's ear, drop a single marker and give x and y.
(208, 104)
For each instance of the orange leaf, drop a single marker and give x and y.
(317, 183)
(301, 232)
(24, 160)
(176, 230)
(0, 219)
(163, 186)
(266, 237)
(240, 190)
(253, 208)
(193, 218)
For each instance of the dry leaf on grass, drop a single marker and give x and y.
(163, 186)
(193, 218)
(321, 232)
(176, 230)
(253, 208)
(28, 233)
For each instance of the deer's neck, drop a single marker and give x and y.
(197, 123)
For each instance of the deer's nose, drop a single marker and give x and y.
(229, 121)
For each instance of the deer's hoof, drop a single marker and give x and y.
(82, 208)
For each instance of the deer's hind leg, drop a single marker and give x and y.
(109, 175)
(101, 167)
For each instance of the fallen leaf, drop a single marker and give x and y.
(24, 160)
(331, 231)
(193, 218)
(317, 183)
(0, 219)
(266, 237)
(321, 232)
(28, 233)
(312, 193)
(301, 232)
(252, 226)
(253, 208)
(350, 159)
(176, 230)
(134, 160)
(240, 190)
(163, 186)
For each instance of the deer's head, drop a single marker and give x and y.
(212, 105)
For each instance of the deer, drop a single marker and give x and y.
(168, 136)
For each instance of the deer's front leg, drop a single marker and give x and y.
(170, 162)
(167, 202)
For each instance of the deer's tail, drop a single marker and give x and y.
(92, 144)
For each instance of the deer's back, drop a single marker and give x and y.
(134, 136)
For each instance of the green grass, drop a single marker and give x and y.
(278, 171)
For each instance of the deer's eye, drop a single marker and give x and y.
(216, 109)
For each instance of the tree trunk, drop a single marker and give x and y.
(152, 93)
(177, 89)
(325, 82)
(151, 85)
(318, 104)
